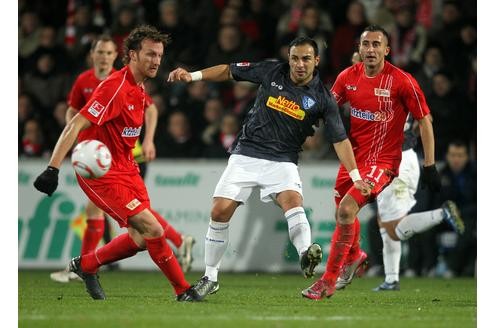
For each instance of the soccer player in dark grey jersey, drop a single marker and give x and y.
(290, 100)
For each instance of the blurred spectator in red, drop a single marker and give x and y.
(33, 143)
(346, 36)
(407, 39)
(222, 141)
(244, 95)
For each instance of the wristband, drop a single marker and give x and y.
(196, 76)
(354, 174)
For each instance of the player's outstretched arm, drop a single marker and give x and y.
(47, 181)
(217, 73)
(346, 157)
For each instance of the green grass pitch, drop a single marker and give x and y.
(145, 299)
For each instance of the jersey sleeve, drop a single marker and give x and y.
(338, 89)
(75, 98)
(413, 97)
(103, 105)
(252, 72)
(148, 101)
(334, 130)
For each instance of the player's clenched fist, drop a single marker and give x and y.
(47, 181)
(363, 187)
(179, 74)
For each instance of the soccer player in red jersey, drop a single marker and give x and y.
(114, 115)
(380, 96)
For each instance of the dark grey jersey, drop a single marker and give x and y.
(410, 138)
(283, 114)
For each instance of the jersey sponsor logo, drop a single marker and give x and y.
(243, 64)
(274, 84)
(308, 102)
(88, 90)
(286, 106)
(131, 132)
(379, 116)
(382, 92)
(133, 204)
(351, 87)
(96, 108)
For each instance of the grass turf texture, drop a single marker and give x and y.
(145, 299)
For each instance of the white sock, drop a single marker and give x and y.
(299, 229)
(216, 241)
(391, 257)
(418, 222)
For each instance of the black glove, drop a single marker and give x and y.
(431, 178)
(47, 181)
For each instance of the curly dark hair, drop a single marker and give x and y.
(140, 33)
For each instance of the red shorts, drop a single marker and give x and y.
(119, 195)
(379, 176)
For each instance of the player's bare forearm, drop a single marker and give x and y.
(150, 121)
(67, 139)
(345, 154)
(427, 139)
(69, 114)
(216, 73)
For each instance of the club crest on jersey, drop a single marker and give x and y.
(308, 102)
(286, 106)
(382, 92)
(131, 132)
(96, 108)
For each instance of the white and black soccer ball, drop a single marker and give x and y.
(91, 159)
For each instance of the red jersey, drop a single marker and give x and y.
(117, 107)
(379, 108)
(80, 93)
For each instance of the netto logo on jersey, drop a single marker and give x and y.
(131, 132)
(288, 107)
(380, 116)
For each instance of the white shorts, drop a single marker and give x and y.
(243, 173)
(397, 199)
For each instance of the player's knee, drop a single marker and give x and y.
(220, 214)
(345, 214)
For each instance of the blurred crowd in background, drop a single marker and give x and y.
(434, 40)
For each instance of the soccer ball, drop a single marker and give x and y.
(91, 159)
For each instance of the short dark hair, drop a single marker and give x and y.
(377, 28)
(102, 38)
(140, 33)
(299, 41)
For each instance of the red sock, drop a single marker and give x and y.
(119, 248)
(355, 248)
(93, 234)
(341, 243)
(170, 233)
(162, 255)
